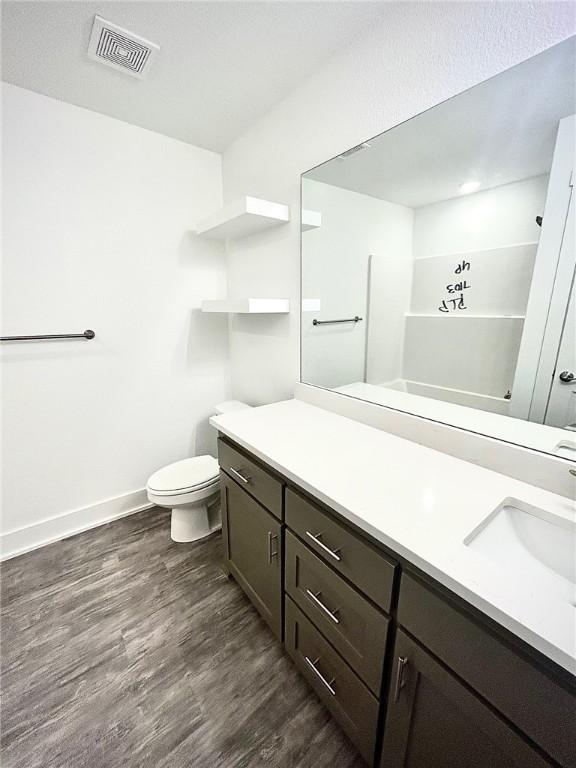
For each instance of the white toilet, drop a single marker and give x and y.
(190, 488)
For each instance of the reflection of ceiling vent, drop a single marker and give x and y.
(359, 148)
(120, 49)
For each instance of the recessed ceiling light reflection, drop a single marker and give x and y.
(469, 186)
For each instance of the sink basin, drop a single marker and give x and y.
(532, 543)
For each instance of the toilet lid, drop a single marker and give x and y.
(185, 475)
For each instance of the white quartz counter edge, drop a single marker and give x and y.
(418, 502)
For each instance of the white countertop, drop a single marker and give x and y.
(538, 437)
(419, 502)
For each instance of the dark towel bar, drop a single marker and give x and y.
(86, 335)
(331, 322)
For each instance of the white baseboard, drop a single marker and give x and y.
(30, 537)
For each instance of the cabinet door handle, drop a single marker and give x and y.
(312, 665)
(271, 554)
(243, 478)
(320, 604)
(400, 682)
(316, 539)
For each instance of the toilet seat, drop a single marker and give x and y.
(186, 476)
(181, 491)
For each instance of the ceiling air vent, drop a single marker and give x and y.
(120, 49)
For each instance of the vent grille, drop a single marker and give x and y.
(120, 49)
(350, 152)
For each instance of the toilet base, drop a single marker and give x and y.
(193, 523)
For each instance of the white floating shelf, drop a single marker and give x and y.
(247, 306)
(310, 305)
(310, 220)
(243, 217)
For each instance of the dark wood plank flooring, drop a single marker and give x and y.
(121, 648)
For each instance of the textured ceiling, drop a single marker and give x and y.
(221, 64)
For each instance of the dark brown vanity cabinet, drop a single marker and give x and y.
(341, 690)
(339, 590)
(253, 550)
(433, 719)
(415, 676)
(349, 554)
(251, 477)
(352, 625)
(521, 708)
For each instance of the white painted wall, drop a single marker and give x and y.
(421, 54)
(335, 270)
(96, 214)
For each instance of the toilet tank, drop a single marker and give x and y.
(230, 405)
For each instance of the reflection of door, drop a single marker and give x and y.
(561, 407)
(552, 397)
(550, 290)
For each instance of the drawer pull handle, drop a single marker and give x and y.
(243, 478)
(332, 552)
(400, 682)
(271, 554)
(312, 665)
(320, 604)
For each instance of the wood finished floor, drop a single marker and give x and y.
(121, 648)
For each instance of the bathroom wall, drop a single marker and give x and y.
(492, 218)
(96, 215)
(335, 271)
(495, 235)
(408, 338)
(420, 55)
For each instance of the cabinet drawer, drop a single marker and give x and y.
(539, 706)
(347, 698)
(353, 625)
(251, 477)
(347, 553)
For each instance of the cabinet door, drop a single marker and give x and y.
(434, 720)
(253, 550)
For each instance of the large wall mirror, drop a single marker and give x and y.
(438, 261)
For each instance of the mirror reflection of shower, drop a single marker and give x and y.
(452, 237)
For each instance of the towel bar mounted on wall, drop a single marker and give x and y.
(85, 335)
(332, 322)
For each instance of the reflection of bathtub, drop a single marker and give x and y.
(447, 395)
(405, 400)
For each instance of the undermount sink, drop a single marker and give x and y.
(530, 542)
